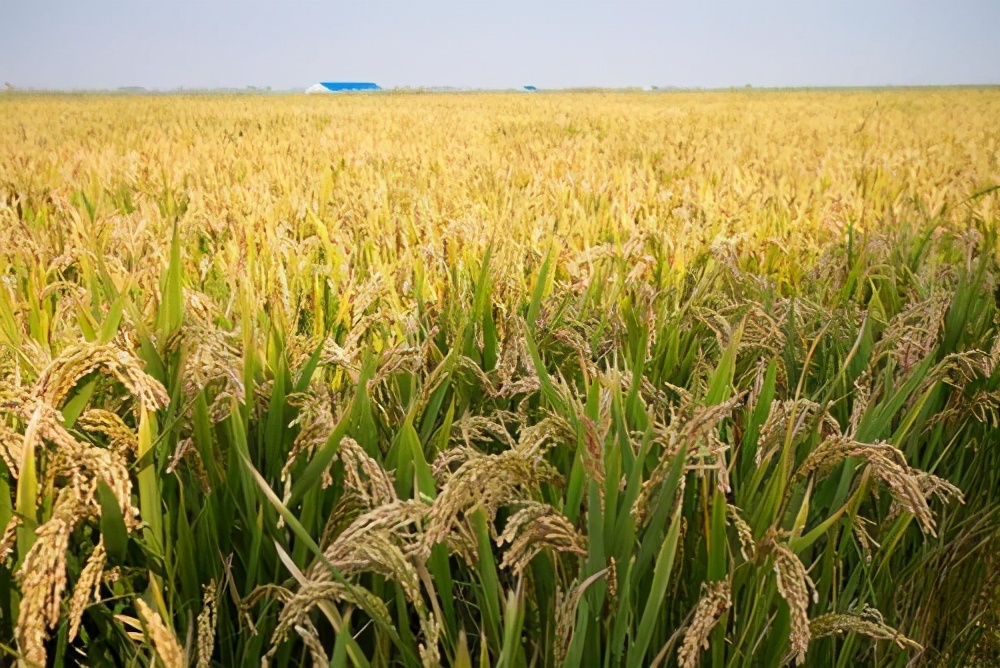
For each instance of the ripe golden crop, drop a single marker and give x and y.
(405, 379)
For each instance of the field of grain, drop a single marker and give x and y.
(593, 379)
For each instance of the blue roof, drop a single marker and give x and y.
(349, 85)
(530, 88)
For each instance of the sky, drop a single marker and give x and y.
(486, 44)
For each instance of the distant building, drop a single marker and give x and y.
(531, 89)
(342, 86)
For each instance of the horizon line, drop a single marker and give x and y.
(265, 90)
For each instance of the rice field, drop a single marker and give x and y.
(546, 380)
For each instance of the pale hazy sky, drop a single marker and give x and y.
(548, 43)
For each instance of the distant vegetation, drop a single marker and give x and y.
(500, 380)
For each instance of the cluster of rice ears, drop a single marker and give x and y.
(610, 381)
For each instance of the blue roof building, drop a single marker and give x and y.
(342, 86)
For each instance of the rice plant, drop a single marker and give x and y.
(563, 380)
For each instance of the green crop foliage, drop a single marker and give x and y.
(608, 380)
